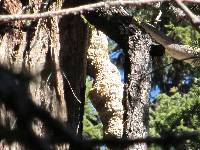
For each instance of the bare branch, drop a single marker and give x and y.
(81, 9)
(195, 19)
(75, 10)
(191, 1)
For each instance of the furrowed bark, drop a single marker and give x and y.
(45, 49)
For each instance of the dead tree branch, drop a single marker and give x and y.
(75, 10)
(194, 19)
(83, 8)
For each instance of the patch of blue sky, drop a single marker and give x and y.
(114, 56)
(187, 79)
(154, 93)
(121, 71)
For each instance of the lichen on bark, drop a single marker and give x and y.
(107, 91)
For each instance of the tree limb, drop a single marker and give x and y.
(194, 19)
(175, 50)
(75, 10)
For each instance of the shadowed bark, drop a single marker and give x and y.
(73, 35)
(36, 48)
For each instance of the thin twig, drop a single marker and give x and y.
(195, 19)
(83, 8)
(65, 76)
(80, 9)
(75, 10)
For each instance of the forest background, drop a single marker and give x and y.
(44, 104)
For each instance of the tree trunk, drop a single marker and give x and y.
(73, 35)
(107, 90)
(136, 44)
(36, 48)
(137, 65)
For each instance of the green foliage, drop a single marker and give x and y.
(186, 34)
(148, 13)
(178, 108)
(112, 45)
(177, 113)
(92, 127)
(171, 78)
